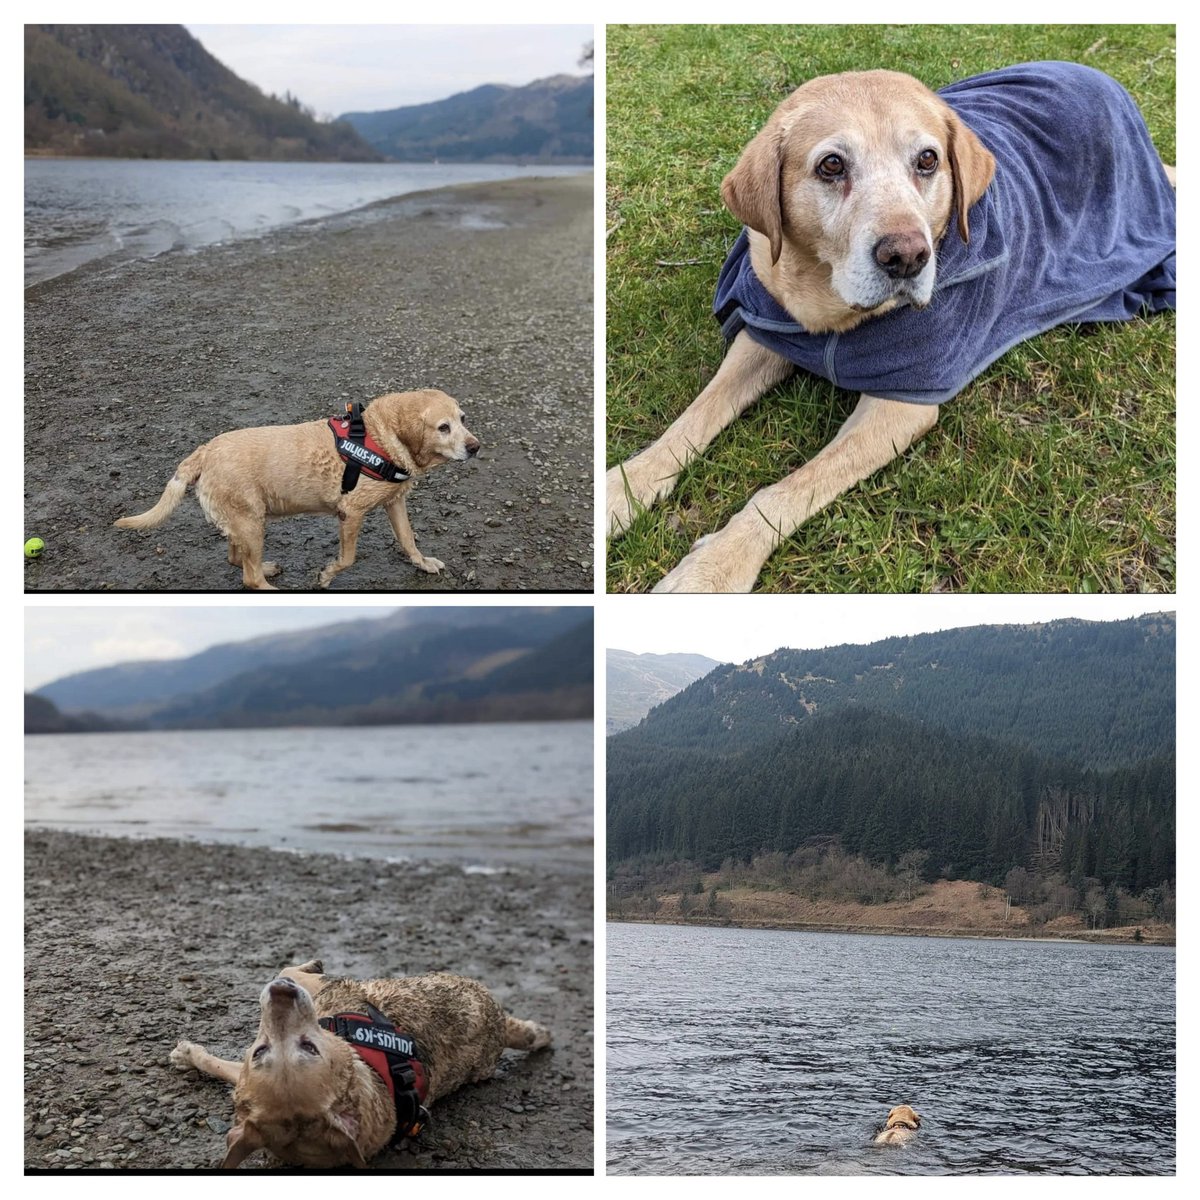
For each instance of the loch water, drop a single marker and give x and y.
(754, 1052)
(82, 212)
(486, 795)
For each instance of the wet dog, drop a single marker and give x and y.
(314, 1090)
(901, 1125)
(246, 476)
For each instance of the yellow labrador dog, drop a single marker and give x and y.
(884, 250)
(902, 1124)
(244, 477)
(341, 1068)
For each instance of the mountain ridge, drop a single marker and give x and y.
(549, 120)
(419, 664)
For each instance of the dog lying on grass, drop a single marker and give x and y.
(897, 241)
(901, 1125)
(340, 1068)
(248, 475)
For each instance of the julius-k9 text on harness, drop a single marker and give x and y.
(359, 451)
(394, 1057)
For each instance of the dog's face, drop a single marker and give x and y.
(429, 423)
(294, 1094)
(860, 172)
(904, 1117)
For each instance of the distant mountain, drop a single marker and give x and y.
(548, 121)
(153, 91)
(637, 682)
(419, 664)
(43, 717)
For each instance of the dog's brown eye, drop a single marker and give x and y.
(308, 1047)
(927, 162)
(259, 1051)
(831, 167)
(444, 427)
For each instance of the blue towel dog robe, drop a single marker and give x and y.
(1077, 225)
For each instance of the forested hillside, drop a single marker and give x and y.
(965, 755)
(549, 120)
(419, 664)
(1083, 691)
(153, 91)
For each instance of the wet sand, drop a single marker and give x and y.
(483, 290)
(133, 945)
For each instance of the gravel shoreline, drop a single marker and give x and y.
(132, 945)
(483, 290)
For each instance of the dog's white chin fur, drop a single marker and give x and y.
(864, 287)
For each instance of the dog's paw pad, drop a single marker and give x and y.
(181, 1056)
(269, 569)
(431, 566)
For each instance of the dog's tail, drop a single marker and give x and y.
(185, 475)
(525, 1035)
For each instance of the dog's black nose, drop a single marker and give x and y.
(902, 255)
(473, 448)
(282, 987)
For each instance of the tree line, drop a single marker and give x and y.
(884, 787)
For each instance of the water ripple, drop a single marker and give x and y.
(763, 1052)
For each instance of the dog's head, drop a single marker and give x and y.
(860, 173)
(428, 424)
(904, 1117)
(299, 1094)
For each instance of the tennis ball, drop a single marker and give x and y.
(34, 547)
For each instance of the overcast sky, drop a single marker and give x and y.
(363, 68)
(61, 640)
(733, 629)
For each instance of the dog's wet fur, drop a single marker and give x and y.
(304, 1094)
(247, 476)
(901, 1125)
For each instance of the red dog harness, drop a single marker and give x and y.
(360, 452)
(393, 1056)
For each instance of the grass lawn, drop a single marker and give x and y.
(1053, 471)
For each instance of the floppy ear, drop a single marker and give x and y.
(972, 167)
(753, 190)
(345, 1126)
(241, 1141)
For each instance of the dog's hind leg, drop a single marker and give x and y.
(188, 1055)
(748, 371)
(245, 533)
(525, 1035)
(729, 561)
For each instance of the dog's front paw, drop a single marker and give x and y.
(183, 1056)
(619, 502)
(631, 488)
(716, 563)
(431, 566)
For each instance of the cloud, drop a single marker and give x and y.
(365, 68)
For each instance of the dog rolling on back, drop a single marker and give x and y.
(902, 1124)
(246, 476)
(307, 1095)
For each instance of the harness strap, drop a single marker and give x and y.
(393, 1056)
(359, 452)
